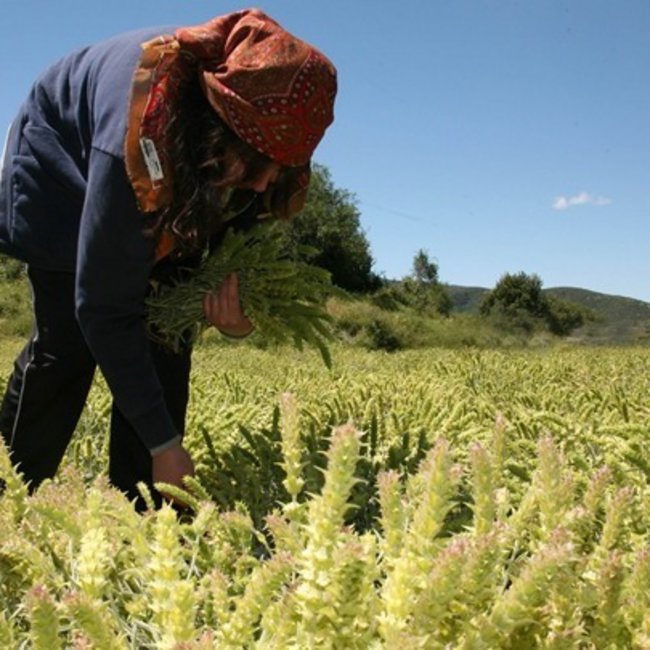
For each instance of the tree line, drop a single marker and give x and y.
(331, 225)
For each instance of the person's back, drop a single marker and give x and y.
(79, 103)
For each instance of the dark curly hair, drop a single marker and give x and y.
(207, 160)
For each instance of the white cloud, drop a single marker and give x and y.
(584, 198)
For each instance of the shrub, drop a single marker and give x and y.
(563, 317)
(518, 303)
(381, 336)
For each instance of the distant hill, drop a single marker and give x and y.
(618, 319)
(466, 300)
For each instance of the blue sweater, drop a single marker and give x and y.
(66, 204)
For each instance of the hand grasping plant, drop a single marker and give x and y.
(222, 308)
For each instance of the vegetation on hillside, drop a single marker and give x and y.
(517, 301)
(15, 299)
(616, 319)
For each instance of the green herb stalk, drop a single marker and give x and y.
(284, 298)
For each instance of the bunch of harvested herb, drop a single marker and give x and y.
(284, 298)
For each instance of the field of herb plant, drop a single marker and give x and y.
(438, 499)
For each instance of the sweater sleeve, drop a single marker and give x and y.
(114, 262)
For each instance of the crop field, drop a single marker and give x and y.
(421, 499)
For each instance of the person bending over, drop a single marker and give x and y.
(124, 163)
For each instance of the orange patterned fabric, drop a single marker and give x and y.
(273, 90)
(164, 246)
(154, 81)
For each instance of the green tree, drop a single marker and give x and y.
(424, 270)
(518, 300)
(514, 295)
(330, 224)
(426, 291)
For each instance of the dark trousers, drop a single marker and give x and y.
(49, 385)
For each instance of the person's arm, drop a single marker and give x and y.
(114, 264)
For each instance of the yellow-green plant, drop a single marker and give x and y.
(526, 526)
(283, 297)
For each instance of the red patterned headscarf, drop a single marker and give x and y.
(273, 90)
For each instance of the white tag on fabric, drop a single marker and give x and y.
(151, 159)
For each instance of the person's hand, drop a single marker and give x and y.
(222, 308)
(170, 466)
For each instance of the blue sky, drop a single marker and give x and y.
(499, 135)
